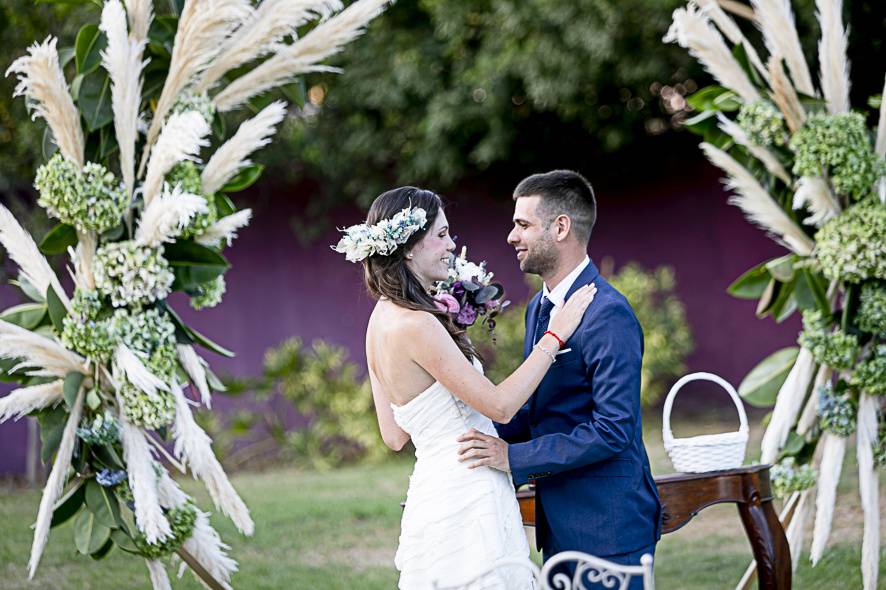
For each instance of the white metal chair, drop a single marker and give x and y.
(593, 570)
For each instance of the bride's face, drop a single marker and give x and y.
(429, 258)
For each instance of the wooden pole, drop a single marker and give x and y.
(200, 570)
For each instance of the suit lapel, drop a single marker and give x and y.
(531, 319)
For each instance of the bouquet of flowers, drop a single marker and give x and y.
(469, 294)
(805, 167)
(104, 369)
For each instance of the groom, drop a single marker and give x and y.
(579, 437)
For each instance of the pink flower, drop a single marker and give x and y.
(446, 302)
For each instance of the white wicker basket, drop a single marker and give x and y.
(709, 452)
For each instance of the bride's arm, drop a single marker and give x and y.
(394, 436)
(432, 348)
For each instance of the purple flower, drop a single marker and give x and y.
(467, 316)
(446, 302)
(458, 289)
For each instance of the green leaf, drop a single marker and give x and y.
(65, 55)
(108, 457)
(194, 264)
(702, 123)
(218, 126)
(295, 92)
(751, 284)
(124, 541)
(768, 298)
(224, 205)
(57, 240)
(214, 382)
(744, 61)
(88, 46)
(105, 549)
(810, 292)
(793, 445)
(57, 311)
(26, 315)
(760, 386)
(93, 401)
(94, 100)
(73, 381)
(114, 234)
(102, 503)
(47, 145)
(52, 425)
(89, 534)
(28, 289)
(782, 268)
(704, 99)
(784, 304)
(189, 335)
(68, 505)
(243, 179)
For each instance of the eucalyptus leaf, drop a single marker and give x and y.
(760, 386)
(57, 240)
(26, 315)
(90, 535)
(488, 293)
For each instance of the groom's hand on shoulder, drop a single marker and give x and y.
(480, 450)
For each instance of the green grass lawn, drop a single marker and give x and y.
(338, 530)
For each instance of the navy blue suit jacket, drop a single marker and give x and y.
(580, 434)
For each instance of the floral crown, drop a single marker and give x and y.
(362, 240)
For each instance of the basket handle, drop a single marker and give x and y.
(667, 435)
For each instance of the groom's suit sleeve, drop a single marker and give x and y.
(612, 347)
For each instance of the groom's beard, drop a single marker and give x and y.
(541, 258)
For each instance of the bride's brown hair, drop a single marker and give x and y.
(388, 276)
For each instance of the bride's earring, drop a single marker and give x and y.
(409, 256)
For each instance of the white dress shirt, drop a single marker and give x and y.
(557, 295)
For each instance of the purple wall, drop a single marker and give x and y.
(279, 288)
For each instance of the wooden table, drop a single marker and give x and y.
(684, 495)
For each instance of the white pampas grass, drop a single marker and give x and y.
(167, 215)
(691, 29)
(757, 204)
(149, 516)
(140, 13)
(776, 20)
(42, 356)
(268, 24)
(193, 447)
(42, 83)
(208, 549)
(784, 96)
(303, 56)
(55, 483)
(25, 400)
(809, 416)
(225, 228)
(813, 191)
(727, 26)
(868, 484)
(23, 251)
(232, 155)
(202, 28)
(796, 530)
(157, 571)
(169, 492)
(880, 145)
(761, 153)
(129, 364)
(832, 55)
(83, 257)
(787, 405)
(833, 450)
(195, 367)
(122, 59)
(181, 139)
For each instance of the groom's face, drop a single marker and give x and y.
(532, 238)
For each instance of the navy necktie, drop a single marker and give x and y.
(544, 318)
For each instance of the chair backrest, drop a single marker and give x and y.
(585, 570)
(588, 571)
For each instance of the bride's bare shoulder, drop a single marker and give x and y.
(391, 319)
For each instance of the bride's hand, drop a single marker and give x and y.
(568, 318)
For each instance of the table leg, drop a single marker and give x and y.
(768, 542)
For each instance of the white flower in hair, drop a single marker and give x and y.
(362, 241)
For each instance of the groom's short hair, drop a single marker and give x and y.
(563, 192)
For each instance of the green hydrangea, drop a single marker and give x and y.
(149, 412)
(209, 294)
(181, 520)
(872, 308)
(131, 274)
(836, 410)
(192, 101)
(90, 198)
(187, 175)
(839, 145)
(150, 334)
(831, 347)
(852, 246)
(103, 430)
(87, 329)
(763, 123)
(788, 477)
(869, 375)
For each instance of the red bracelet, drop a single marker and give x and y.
(557, 338)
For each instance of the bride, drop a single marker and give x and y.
(428, 386)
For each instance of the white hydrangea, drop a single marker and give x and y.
(131, 274)
(362, 241)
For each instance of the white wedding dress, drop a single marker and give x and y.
(457, 522)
